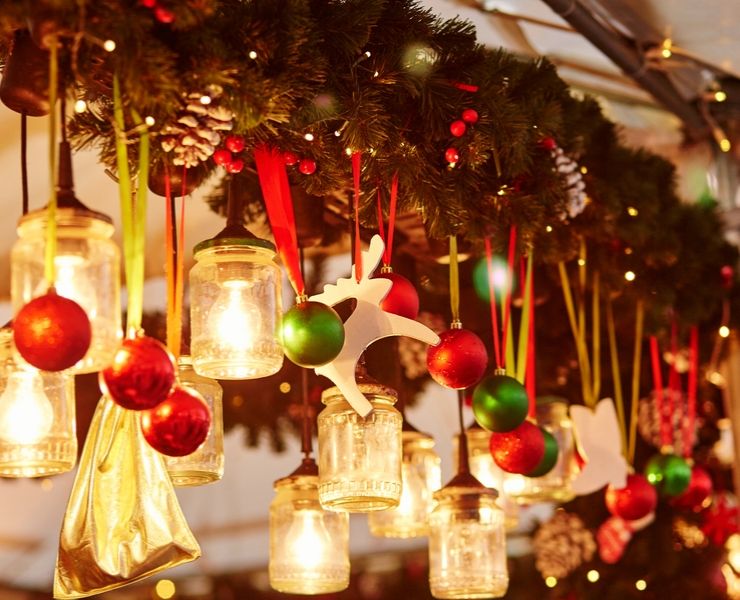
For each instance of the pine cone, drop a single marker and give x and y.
(562, 545)
(196, 133)
(576, 187)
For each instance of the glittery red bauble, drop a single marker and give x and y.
(452, 155)
(235, 143)
(222, 157)
(697, 495)
(634, 501)
(141, 375)
(548, 143)
(457, 128)
(402, 299)
(52, 332)
(459, 360)
(470, 115)
(290, 158)
(520, 450)
(307, 166)
(179, 425)
(235, 166)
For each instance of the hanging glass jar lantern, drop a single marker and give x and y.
(554, 486)
(37, 417)
(87, 266)
(360, 457)
(235, 304)
(206, 464)
(309, 546)
(485, 470)
(422, 475)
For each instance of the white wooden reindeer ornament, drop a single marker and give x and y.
(367, 324)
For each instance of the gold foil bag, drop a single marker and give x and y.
(123, 521)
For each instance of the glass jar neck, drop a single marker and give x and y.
(69, 222)
(376, 393)
(234, 252)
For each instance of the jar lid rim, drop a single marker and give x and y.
(219, 242)
(66, 211)
(373, 389)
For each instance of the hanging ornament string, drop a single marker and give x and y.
(492, 298)
(388, 252)
(664, 418)
(636, 364)
(276, 192)
(356, 169)
(616, 373)
(175, 249)
(691, 391)
(507, 341)
(454, 282)
(24, 161)
(51, 220)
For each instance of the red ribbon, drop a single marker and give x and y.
(674, 378)
(356, 157)
(465, 87)
(492, 298)
(388, 252)
(665, 426)
(530, 372)
(276, 193)
(691, 391)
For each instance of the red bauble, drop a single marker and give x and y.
(164, 15)
(402, 299)
(470, 115)
(458, 128)
(179, 425)
(141, 375)
(452, 155)
(52, 332)
(290, 158)
(235, 143)
(634, 501)
(548, 143)
(459, 360)
(698, 494)
(222, 157)
(307, 166)
(235, 166)
(519, 450)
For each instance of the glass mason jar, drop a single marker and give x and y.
(206, 464)
(87, 271)
(235, 309)
(485, 470)
(554, 486)
(467, 544)
(421, 476)
(360, 457)
(309, 546)
(37, 417)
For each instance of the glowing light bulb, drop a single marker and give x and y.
(308, 541)
(26, 415)
(641, 585)
(593, 575)
(724, 331)
(236, 322)
(551, 581)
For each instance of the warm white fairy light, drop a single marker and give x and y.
(720, 96)
(80, 106)
(285, 387)
(581, 262)
(666, 51)
(724, 331)
(205, 99)
(641, 585)
(551, 581)
(165, 589)
(632, 211)
(725, 145)
(548, 229)
(252, 54)
(149, 121)
(629, 275)
(593, 575)
(309, 137)
(109, 45)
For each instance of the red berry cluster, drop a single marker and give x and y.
(458, 128)
(161, 13)
(225, 156)
(307, 166)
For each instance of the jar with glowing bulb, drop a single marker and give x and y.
(360, 457)
(87, 271)
(422, 476)
(235, 309)
(485, 470)
(206, 464)
(554, 486)
(309, 546)
(467, 542)
(37, 417)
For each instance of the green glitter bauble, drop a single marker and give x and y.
(312, 334)
(549, 459)
(500, 403)
(670, 474)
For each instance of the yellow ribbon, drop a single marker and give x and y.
(454, 281)
(616, 374)
(636, 364)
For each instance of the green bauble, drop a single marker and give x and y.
(670, 474)
(312, 334)
(500, 403)
(550, 459)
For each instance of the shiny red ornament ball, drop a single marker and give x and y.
(459, 360)
(470, 115)
(548, 143)
(290, 158)
(235, 166)
(222, 157)
(458, 128)
(520, 450)
(698, 494)
(634, 501)
(402, 299)
(452, 155)
(307, 166)
(141, 375)
(235, 143)
(51, 332)
(164, 15)
(179, 425)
